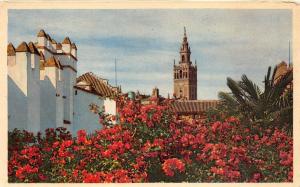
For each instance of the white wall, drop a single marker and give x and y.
(24, 92)
(33, 84)
(59, 99)
(17, 91)
(48, 99)
(83, 117)
(110, 106)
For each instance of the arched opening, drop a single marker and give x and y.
(180, 74)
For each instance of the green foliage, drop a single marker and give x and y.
(271, 106)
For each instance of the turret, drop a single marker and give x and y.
(42, 38)
(23, 54)
(34, 55)
(52, 62)
(11, 55)
(53, 70)
(66, 45)
(59, 48)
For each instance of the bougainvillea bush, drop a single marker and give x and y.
(148, 144)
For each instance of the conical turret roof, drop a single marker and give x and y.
(23, 47)
(11, 51)
(33, 49)
(42, 33)
(52, 62)
(73, 46)
(67, 41)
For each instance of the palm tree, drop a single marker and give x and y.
(273, 103)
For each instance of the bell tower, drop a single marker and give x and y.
(185, 73)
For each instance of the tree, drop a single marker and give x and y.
(273, 105)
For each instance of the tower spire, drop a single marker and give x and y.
(185, 74)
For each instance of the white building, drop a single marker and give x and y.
(42, 86)
(92, 95)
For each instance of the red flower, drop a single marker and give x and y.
(171, 165)
(218, 171)
(220, 163)
(81, 136)
(106, 154)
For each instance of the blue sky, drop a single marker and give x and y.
(225, 43)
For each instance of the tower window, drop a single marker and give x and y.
(180, 74)
(182, 58)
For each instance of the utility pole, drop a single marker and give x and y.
(289, 53)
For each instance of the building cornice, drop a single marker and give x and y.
(55, 53)
(68, 66)
(88, 91)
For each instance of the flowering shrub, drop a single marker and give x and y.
(147, 144)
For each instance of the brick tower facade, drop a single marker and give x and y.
(185, 74)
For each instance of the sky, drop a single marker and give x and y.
(225, 43)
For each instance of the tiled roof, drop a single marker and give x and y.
(97, 85)
(41, 33)
(67, 41)
(11, 51)
(33, 49)
(23, 47)
(52, 62)
(193, 106)
(73, 46)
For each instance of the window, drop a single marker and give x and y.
(180, 74)
(75, 92)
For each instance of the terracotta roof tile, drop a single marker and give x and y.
(23, 47)
(193, 107)
(67, 41)
(52, 62)
(42, 33)
(11, 51)
(73, 46)
(33, 49)
(98, 85)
